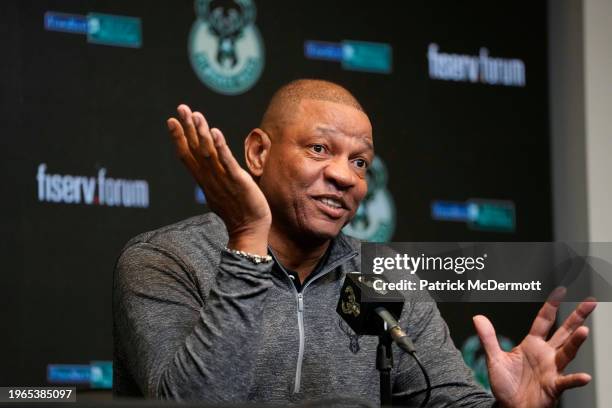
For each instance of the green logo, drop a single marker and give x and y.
(225, 47)
(108, 29)
(367, 56)
(374, 220)
(101, 374)
(492, 215)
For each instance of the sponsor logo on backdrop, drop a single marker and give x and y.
(484, 215)
(97, 374)
(374, 221)
(104, 29)
(482, 68)
(98, 190)
(474, 357)
(353, 55)
(225, 47)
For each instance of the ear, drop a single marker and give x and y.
(256, 151)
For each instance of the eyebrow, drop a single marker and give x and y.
(363, 139)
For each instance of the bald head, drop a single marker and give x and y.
(284, 103)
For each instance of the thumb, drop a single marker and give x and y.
(487, 335)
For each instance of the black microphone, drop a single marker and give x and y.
(370, 311)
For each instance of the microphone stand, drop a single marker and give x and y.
(362, 316)
(384, 363)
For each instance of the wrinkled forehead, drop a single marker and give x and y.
(331, 118)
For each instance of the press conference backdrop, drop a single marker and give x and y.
(456, 91)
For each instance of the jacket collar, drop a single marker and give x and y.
(340, 250)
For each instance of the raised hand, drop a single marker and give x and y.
(531, 374)
(230, 191)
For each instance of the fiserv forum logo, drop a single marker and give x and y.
(475, 68)
(225, 47)
(374, 220)
(100, 190)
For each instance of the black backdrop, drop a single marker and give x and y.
(79, 107)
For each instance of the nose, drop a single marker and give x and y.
(339, 173)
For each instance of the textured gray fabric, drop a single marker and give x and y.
(194, 322)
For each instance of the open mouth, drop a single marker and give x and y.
(332, 207)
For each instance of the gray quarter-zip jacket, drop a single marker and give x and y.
(195, 322)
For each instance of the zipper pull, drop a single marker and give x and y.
(300, 302)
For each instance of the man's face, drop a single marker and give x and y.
(315, 175)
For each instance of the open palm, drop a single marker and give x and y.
(531, 374)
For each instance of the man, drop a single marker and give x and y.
(239, 304)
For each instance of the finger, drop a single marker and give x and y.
(548, 314)
(568, 381)
(176, 133)
(557, 295)
(182, 150)
(574, 320)
(226, 157)
(569, 349)
(185, 116)
(487, 335)
(206, 145)
(180, 143)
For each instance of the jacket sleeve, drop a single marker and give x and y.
(452, 381)
(181, 344)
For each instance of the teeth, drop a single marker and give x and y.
(331, 202)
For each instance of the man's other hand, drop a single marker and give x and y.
(230, 191)
(531, 374)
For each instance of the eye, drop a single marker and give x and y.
(318, 148)
(362, 164)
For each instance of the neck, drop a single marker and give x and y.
(298, 256)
